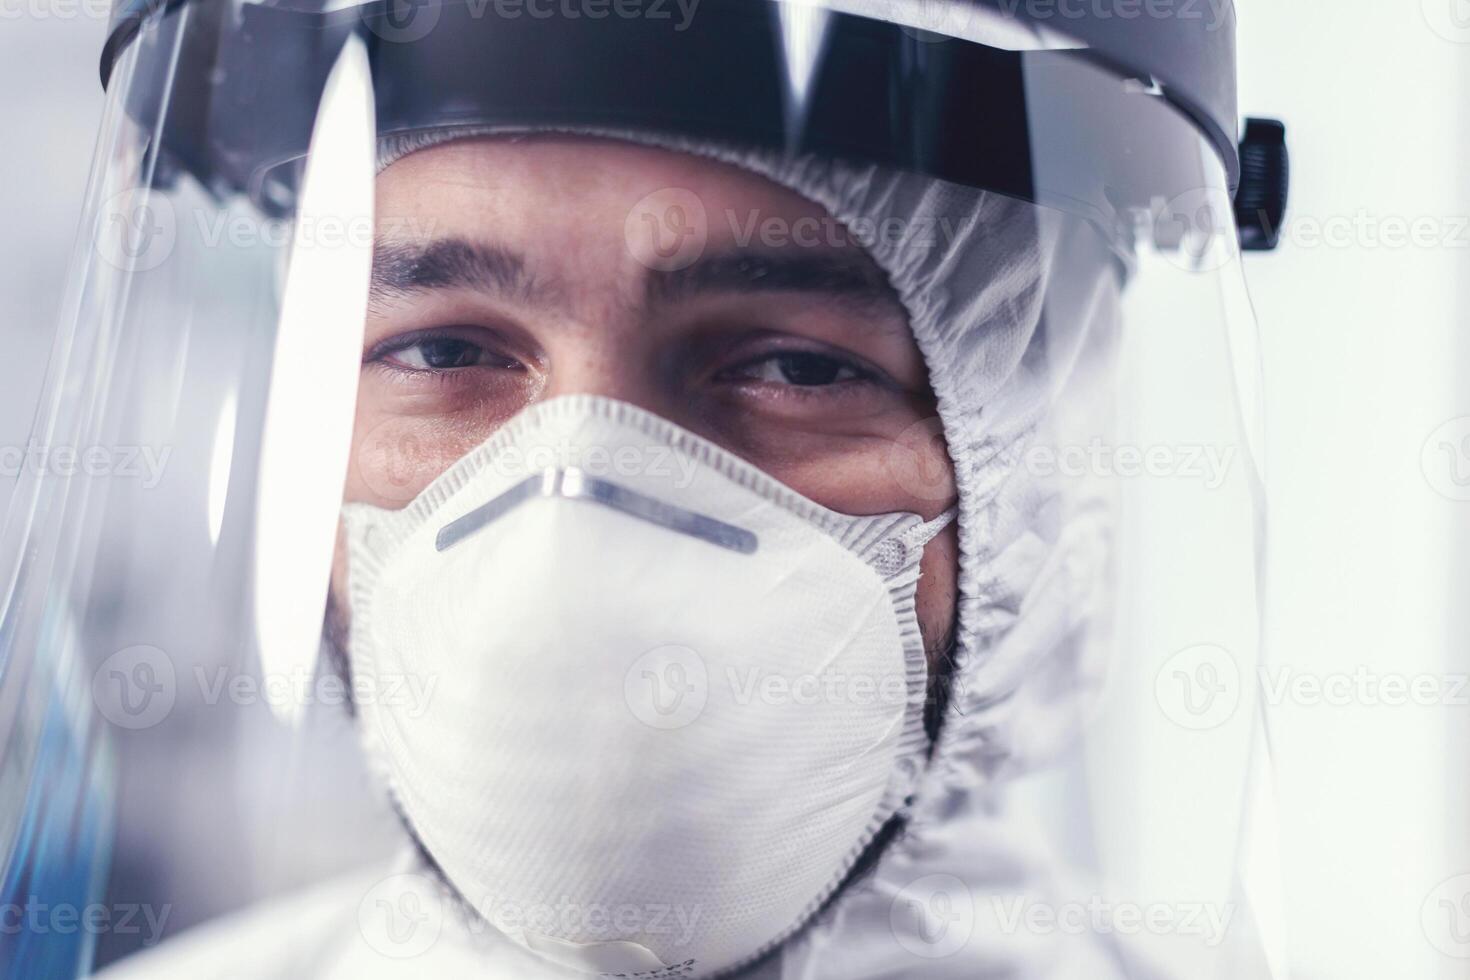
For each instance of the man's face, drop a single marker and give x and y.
(512, 271)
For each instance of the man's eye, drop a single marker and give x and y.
(441, 354)
(801, 368)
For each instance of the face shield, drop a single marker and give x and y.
(730, 489)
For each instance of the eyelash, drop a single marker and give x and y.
(858, 374)
(384, 352)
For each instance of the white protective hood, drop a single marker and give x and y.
(974, 270)
(976, 289)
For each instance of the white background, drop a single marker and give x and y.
(1364, 349)
(1364, 339)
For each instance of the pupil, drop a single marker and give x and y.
(447, 353)
(808, 369)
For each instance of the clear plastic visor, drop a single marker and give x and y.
(898, 267)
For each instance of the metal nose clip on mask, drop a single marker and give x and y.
(677, 701)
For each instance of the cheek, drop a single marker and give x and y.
(938, 595)
(920, 467)
(909, 471)
(394, 457)
(900, 468)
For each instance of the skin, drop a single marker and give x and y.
(813, 376)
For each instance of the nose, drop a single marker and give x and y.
(622, 364)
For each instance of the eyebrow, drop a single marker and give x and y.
(849, 276)
(405, 268)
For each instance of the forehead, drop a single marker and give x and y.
(574, 189)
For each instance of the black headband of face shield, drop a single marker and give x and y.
(1051, 127)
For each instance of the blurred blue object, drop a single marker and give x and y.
(55, 811)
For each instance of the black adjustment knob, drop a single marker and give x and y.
(1265, 175)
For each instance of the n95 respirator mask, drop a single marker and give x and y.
(673, 700)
